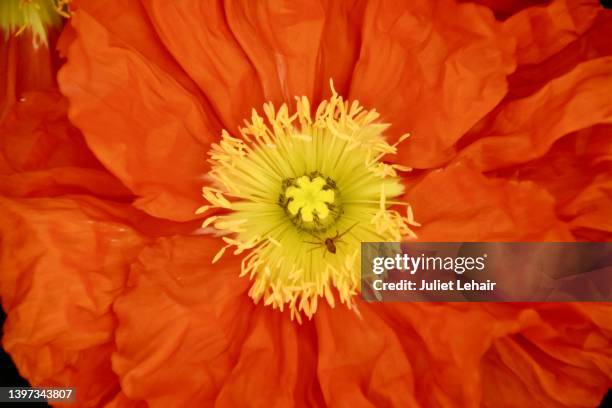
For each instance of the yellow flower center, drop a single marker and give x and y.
(298, 194)
(310, 201)
(17, 16)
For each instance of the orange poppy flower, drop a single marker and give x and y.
(106, 269)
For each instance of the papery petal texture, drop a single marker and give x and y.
(63, 262)
(474, 207)
(526, 128)
(107, 274)
(432, 69)
(179, 348)
(119, 83)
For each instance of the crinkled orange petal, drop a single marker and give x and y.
(592, 208)
(139, 119)
(554, 354)
(340, 46)
(290, 49)
(575, 171)
(122, 401)
(42, 154)
(199, 38)
(571, 164)
(593, 43)
(180, 323)
(432, 69)
(445, 344)
(544, 30)
(505, 8)
(129, 26)
(281, 38)
(525, 129)
(67, 36)
(63, 180)
(36, 135)
(598, 314)
(565, 360)
(276, 365)
(460, 204)
(296, 47)
(64, 261)
(361, 362)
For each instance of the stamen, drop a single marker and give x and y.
(17, 16)
(298, 195)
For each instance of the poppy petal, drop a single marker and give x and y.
(199, 38)
(340, 45)
(575, 171)
(36, 135)
(64, 261)
(553, 354)
(505, 8)
(290, 49)
(447, 366)
(63, 180)
(525, 129)
(591, 44)
(543, 31)
(281, 38)
(42, 154)
(134, 113)
(179, 323)
(276, 365)
(361, 361)
(591, 209)
(122, 401)
(432, 69)
(564, 360)
(460, 204)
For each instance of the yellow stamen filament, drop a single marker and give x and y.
(17, 16)
(298, 193)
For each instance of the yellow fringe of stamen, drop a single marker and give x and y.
(276, 281)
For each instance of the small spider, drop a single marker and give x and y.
(329, 243)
